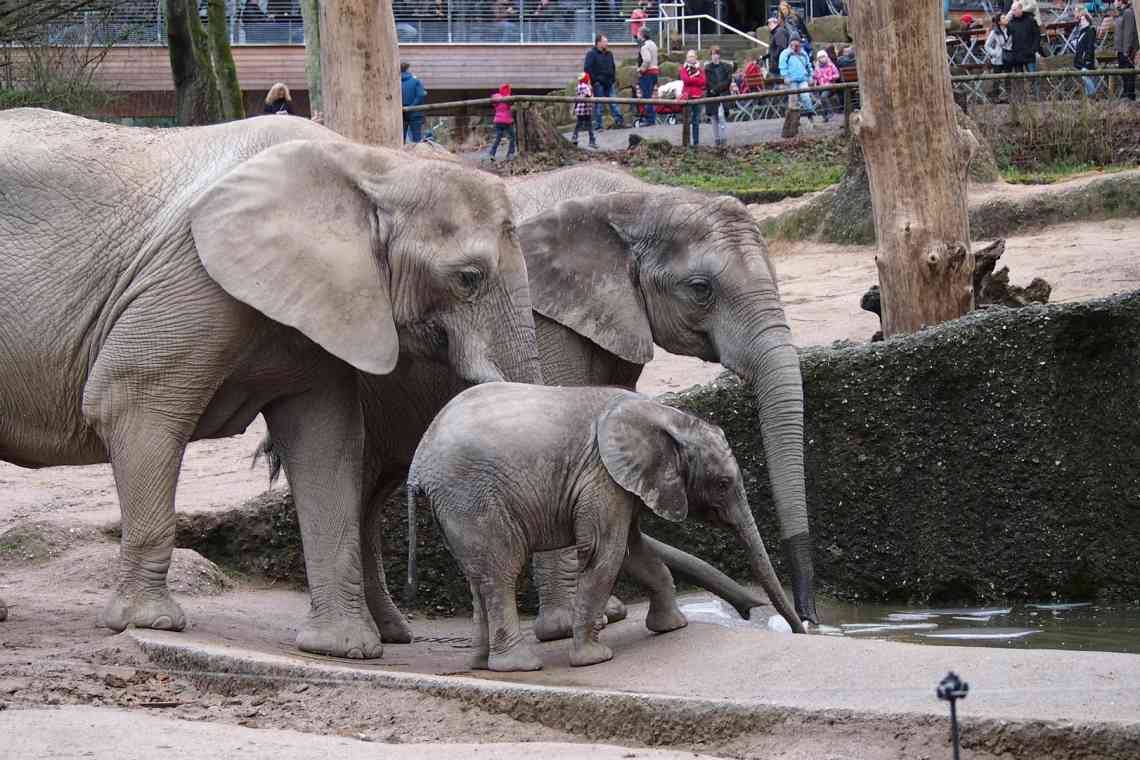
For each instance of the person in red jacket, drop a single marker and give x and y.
(504, 122)
(693, 79)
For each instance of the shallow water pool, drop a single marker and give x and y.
(1045, 625)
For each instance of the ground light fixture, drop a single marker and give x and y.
(951, 689)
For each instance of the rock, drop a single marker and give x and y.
(777, 624)
(113, 681)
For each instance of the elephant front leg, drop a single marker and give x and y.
(556, 577)
(321, 439)
(145, 458)
(600, 565)
(646, 568)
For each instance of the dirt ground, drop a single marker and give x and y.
(56, 566)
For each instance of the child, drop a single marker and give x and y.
(583, 110)
(504, 122)
(825, 73)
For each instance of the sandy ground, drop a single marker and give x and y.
(51, 652)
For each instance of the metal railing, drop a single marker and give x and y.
(667, 41)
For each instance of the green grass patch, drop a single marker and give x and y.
(1050, 174)
(761, 171)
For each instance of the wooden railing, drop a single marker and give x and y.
(465, 108)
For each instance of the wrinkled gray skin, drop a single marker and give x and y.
(612, 260)
(617, 266)
(510, 469)
(164, 286)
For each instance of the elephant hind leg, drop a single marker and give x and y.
(508, 650)
(480, 641)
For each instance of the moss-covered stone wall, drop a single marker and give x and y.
(993, 457)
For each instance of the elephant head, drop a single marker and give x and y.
(371, 254)
(691, 274)
(677, 465)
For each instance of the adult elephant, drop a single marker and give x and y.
(617, 266)
(164, 286)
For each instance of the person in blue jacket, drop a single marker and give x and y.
(795, 68)
(412, 93)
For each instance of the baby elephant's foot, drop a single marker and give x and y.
(517, 658)
(554, 623)
(142, 609)
(394, 629)
(665, 618)
(615, 610)
(342, 637)
(590, 654)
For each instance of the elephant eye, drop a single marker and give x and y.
(470, 279)
(701, 290)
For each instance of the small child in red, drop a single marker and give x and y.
(584, 110)
(504, 122)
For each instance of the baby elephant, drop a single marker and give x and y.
(511, 469)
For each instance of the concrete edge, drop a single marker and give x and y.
(650, 719)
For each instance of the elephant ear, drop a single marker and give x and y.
(583, 276)
(639, 442)
(292, 233)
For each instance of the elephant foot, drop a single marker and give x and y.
(355, 639)
(662, 619)
(517, 658)
(615, 610)
(590, 654)
(142, 609)
(554, 623)
(395, 630)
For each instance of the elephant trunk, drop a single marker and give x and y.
(773, 371)
(703, 575)
(762, 570)
(516, 351)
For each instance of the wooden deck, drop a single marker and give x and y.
(441, 67)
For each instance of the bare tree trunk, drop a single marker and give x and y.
(311, 15)
(222, 59)
(917, 161)
(194, 84)
(360, 71)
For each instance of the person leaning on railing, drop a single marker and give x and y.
(718, 78)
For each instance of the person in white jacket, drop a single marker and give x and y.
(997, 43)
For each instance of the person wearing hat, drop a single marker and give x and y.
(967, 22)
(583, 110)
(826, 73)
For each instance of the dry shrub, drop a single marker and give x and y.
(1069, 132)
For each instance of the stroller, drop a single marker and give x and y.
(670, 114)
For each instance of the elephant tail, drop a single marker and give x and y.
(272, 456)
(416, 498)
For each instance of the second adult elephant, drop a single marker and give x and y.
(611, 276)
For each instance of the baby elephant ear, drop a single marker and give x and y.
(639, 443)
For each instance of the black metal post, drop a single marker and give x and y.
(951, 689)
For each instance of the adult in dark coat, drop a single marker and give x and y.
(600, 66)
(1025, 35)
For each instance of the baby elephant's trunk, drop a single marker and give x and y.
(415, 496)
